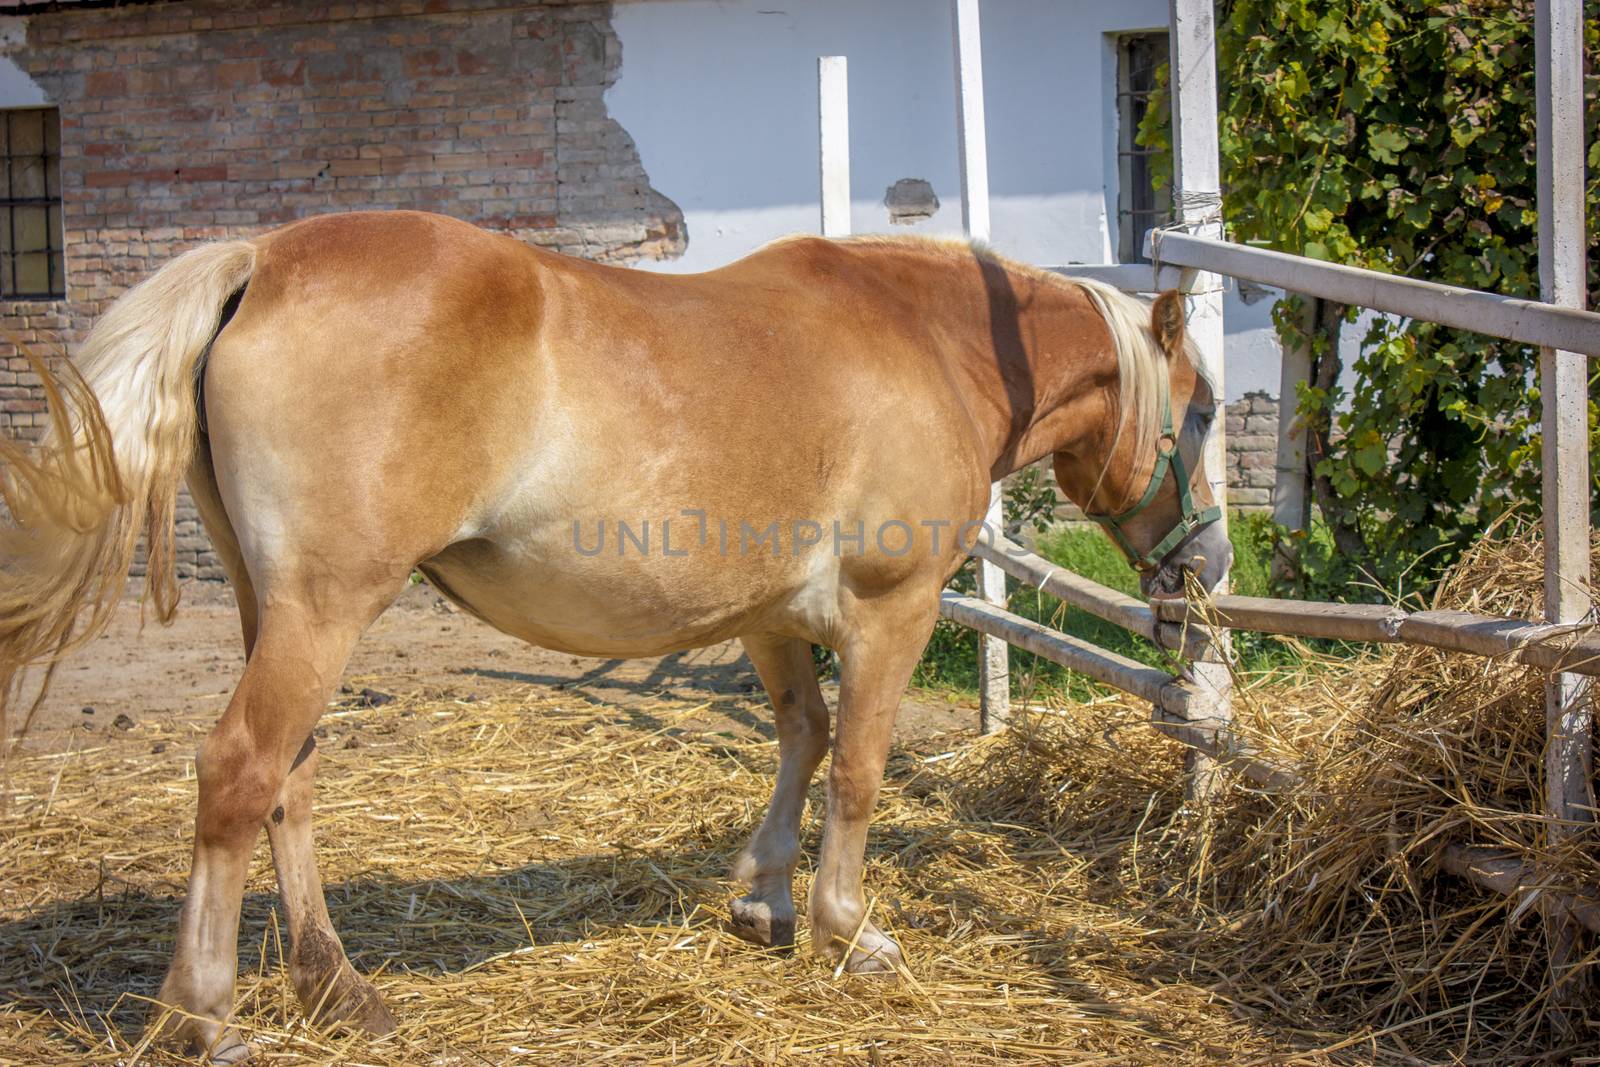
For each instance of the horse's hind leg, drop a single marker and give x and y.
(766, 914)
(300, 650)
(328, 987)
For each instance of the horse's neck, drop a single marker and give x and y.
(1039, 373)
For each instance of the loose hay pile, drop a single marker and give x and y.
(1336, 888)
(541, 879)
(1323, 905)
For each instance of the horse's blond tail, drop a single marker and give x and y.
(123, 425)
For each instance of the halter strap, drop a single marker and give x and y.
(1168, 457)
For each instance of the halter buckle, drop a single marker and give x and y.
(1190, 518)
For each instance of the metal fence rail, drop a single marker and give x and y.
(1511, 318)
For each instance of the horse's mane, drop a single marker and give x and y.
(1140, 360)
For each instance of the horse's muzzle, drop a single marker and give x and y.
(1206, 553)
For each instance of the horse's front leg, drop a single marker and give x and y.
(328, 987)
(766, 914)
(877, 657)
(241, 768)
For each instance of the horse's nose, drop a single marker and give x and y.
(1207, 553)
(1211, 558)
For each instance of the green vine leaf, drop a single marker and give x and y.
(1399, 135)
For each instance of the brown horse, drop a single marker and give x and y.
(794, 449)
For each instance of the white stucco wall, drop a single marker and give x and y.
(721, 97)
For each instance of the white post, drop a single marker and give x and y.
(1291, 503)
(1197, 203)
(1563, 379)
(994, 656)
(833, 130)
(972, 141)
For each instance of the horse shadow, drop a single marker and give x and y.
(732, 687)
(94, 950)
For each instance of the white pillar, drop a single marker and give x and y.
(1197, 203)
(971, 139)
(1291, 497)
(833, 131)
(994, 656)
(1563, 380)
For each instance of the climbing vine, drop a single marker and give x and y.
(1398, 135)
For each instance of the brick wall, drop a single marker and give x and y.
(190, 120)
(1252, 438)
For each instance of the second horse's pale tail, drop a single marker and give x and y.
(123, 423)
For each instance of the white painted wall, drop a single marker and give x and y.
(721, 98)
(17, 89)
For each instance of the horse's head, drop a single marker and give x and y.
(1147, 485)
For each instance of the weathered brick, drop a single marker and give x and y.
(200, 119)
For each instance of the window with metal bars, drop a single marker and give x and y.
(32, 265)
(1140, 206)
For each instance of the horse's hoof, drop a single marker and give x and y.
(366, 1011)
(354, 1003)
(874, 953)
(214, 1041)
(231, 1049)
(758, 921)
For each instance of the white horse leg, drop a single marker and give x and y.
(766, 914)
(328, 987)
(876, 665)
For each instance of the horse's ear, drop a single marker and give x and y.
(1166, 320)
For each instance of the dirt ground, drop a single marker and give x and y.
(420, 646)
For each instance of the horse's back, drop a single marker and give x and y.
(398, 387)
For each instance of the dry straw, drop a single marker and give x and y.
(540, 878)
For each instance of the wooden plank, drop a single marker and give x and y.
(1197, 209)
(1480, 635)
(833, 134)
(1339, 622)
(1528, 321)
(1564, 386)
(1128, 612)
(1151, 684)
(1554, 647)
(1507, 875)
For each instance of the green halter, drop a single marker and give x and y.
(1189, 518)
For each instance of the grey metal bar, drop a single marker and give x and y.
(1528, 321)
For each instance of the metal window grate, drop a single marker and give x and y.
(32, 263)
(1139, 208)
